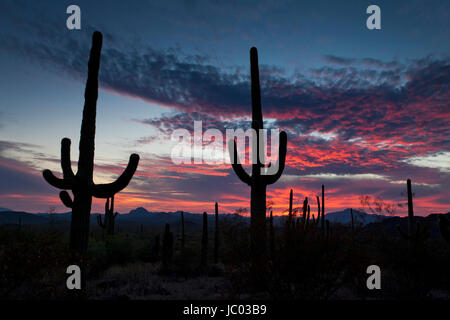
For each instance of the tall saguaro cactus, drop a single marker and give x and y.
(257, 181)
(110, 217)
(420, 234)
(81, 183)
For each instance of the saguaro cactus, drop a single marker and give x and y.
(290, 208)
(216, 235)
(257, 181)
(323, 209)
(318, 211)
(204, 251)
(81, 183)
(110, 217)
(420, 234)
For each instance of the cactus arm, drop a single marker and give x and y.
(64, 184)
(236, 165)
(270, 179)
(108, 190)
(66, 164)
(65, 198)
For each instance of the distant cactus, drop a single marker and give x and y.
(318, 211)
(444, 225)
(81, 183)
(420, 233)
(323, 209)
(167, 253)
(216, 235)
(110, 217)
(307, 218)
(204, 250)
(257, 181)
(305, 211)
(290, 208)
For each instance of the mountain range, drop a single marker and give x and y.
(141, 216)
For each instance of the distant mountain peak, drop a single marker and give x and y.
(139, 211)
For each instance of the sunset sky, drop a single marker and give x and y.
(364, 110)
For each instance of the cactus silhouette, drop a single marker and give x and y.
(420, 233)
(204, 250)
(258, 182)
(323, 209)
(216, 235)
(110, 217)
(291, 196)
(318, 211)
(81, 183)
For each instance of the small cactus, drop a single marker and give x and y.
(110, 217)
(290, 208)
(323, 209)
(318, 211)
